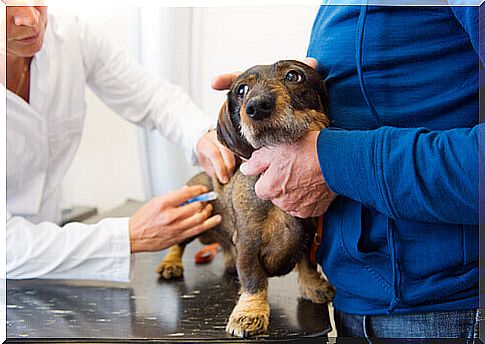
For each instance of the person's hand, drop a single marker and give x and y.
(291, 177)
(162, 222)
(224, 81)
(214, 158)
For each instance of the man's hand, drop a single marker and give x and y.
(223, 82)
(291, 177)
(162, 222)
(214, 158)
(290, 174)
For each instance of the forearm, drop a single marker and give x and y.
(405, 173)
(75, 251)
(138, 96)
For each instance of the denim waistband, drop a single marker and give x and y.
(444, 324)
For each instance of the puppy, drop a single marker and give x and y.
(266, 105)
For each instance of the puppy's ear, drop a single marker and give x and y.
(228, 134)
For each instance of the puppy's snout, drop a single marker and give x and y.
(260, 107)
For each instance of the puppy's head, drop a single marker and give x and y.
(272, 104)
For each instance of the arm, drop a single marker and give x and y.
(469, 18)
(103, 250)
(410, 174)
(137, 96)
(132, 92)
(98, 252)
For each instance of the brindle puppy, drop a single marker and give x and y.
(266, 105)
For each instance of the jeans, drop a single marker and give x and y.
(446, 324)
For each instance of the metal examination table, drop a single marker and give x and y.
(192, 309)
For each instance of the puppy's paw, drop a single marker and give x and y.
(250, 316)
(319, 291)
(170, 269)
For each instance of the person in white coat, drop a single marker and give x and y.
(50, 59)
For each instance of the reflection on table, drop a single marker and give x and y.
(195, 307)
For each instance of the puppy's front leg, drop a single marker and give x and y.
(171, 265)
(251, 314)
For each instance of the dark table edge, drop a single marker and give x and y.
(316, 338)
(302, 340)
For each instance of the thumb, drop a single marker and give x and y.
(310, 61)
(257, 164)
(224, 81)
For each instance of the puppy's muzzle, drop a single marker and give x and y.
(260, 107)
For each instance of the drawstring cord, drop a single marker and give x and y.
(359, 60)
(395, 268)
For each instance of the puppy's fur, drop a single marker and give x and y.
(266, 105)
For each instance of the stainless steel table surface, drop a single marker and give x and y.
(194, 308)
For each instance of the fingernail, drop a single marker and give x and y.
(243, 168)
(224, 180)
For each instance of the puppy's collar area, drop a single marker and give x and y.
(317, 239)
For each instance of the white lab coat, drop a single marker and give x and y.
(42, 139)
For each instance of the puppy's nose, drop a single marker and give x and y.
(260, 107)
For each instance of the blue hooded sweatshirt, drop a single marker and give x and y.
(402, 153)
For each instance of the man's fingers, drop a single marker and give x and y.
(264, 188)
(178, 213)
(229, 160)
(258, 163)
(207, 165)
(197, 223)
(224, 81)
(310, 61)
(261, 189)
(177, 197)
(193, 220)
(219, 167)
(200, 227)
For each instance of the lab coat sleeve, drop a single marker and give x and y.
(74, 251)
(138, 96)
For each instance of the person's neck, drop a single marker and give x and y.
(17, 74)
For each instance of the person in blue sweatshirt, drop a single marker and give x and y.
(400, 242)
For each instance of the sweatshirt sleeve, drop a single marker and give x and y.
(469, 18)
(141, 98)
(414, 174)
(76, 251)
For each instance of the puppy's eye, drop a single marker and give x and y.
(242, 90)
(293, 76)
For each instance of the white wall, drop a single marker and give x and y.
(238, 38)
(107, 169)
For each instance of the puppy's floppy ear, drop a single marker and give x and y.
(228, 134)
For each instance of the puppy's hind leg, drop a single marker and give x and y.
(171, 266)
(313, 284)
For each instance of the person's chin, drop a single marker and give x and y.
(33, 49)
